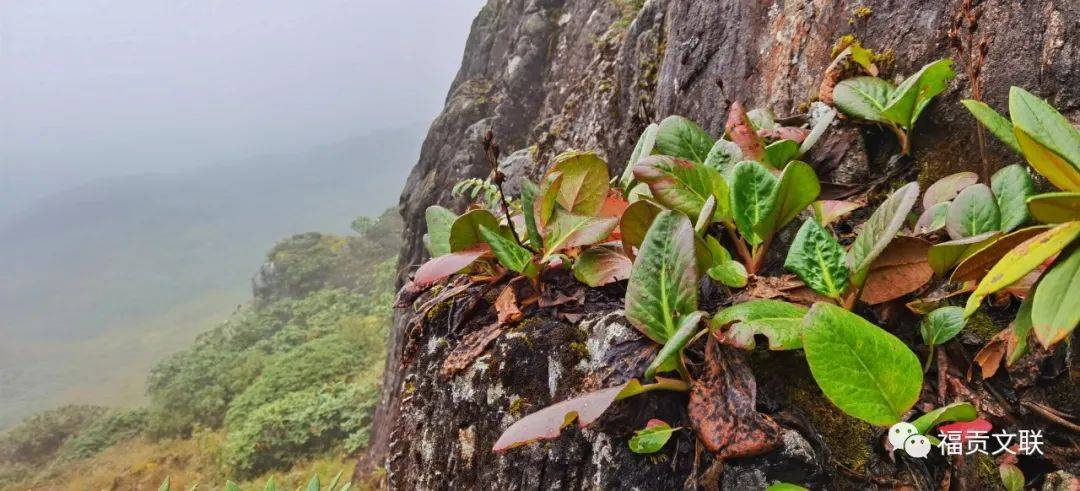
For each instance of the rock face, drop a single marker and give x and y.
(550, 75)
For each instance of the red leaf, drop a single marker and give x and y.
(547, 423)
(743, 134)
(722, 407)
(440, 267)
(656, 422)
(900, 269)
(967, 429)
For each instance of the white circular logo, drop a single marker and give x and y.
(905, 436)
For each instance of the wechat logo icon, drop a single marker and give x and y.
(905, 436)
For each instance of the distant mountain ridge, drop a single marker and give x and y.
(160, 254)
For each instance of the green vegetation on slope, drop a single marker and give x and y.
(291, 377)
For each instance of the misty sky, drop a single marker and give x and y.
(95, 88)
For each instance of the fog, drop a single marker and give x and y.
(96, 88)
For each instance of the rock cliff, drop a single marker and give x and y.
(550, 75)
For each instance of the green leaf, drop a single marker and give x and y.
(584, 182)
(529, 192)
(1012, 478)
(957, 411)
(270, 485)
(1021, 260)
(664, 279)
(942, 257)
(973, 212)
(1054, 310)
(798, 188)
(642, 149)
(652, 438)
(941, 325)
(818, 259)
(465, 231)
(1055, 207)
(785, 486)
(1040, 121)
(996, 123)
(1021, 328)
(752, 192)
(679, 184)
(865, 371)
(164, 484)
(946, 188)
(600, 265)
(722, 268)
(1056, 169)
(863, 97)
(682, 138)
(780, 322)
(439, 220)
(549, 192)
(823, 117)
(231, 486)
(723, 155)
(933, 219)
(1012, 186)
(567, 230)
(635, 223)
(688, 327)
(913, 94)
(779, 153)
(509, 253)
(879, 230)
(334, 482)
(313, 484)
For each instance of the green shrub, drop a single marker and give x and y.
(38, 437)
(360, 345)
(104, 432)
(306, 423)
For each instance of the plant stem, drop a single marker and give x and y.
(902, 137)
(929, 360)
(740, 247)
(491, 154)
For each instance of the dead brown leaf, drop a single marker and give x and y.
(935, 299)
(721, 407)
(506, 306)
(990, 357)
(901, 269)
(469, 348)
(975, 266)
(784, 133)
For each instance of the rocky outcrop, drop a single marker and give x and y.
(549, 75)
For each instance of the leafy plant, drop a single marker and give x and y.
(478, 190)
(875, 100)
(965, 208)
(1052, 147)
(821, 262)
(939, 326)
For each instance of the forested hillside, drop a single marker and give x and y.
(290, 378)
